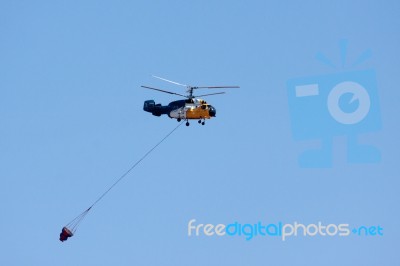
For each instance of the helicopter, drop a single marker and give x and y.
(192, 108)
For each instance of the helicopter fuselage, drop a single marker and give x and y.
(182, 109)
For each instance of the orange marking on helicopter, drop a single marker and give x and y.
(197, 113)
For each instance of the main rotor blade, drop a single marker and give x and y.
(216, 87)
(146, 87)
(170, 81)
(209, 94)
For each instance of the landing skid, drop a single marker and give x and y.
(200, 121)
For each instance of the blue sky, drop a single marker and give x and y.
(72, 122)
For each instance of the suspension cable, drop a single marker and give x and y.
(73, 225)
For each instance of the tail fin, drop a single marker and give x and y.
(149, 106)
(156, 109)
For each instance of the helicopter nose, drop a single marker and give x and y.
(212, 111)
